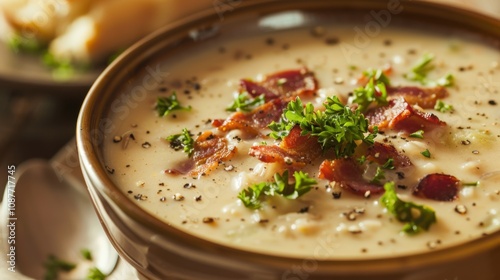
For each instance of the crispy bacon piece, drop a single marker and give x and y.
(295, 150)
(441, 187)
(400, 115)
(209, 151)
(423, 97)
(348, 173)
(285, 83)
(381, 153)
(251, 123)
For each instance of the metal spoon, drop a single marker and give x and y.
(50, 215)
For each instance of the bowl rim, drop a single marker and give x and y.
(89, 133)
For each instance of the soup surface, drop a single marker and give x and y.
(343, 215)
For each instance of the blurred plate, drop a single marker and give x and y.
(27, 73)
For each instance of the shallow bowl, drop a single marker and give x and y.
(160, 251)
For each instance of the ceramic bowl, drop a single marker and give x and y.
(159, 251)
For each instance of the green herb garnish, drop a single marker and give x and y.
(243, 102)
(422, 68)
(21, 44)
(165, 105)
(416, 217)
(361, 159)
(443, 107)
(337, 127)
(379, 175)
(470, 184)
(95, 274)
(418, 134)
(86, 254)
(389, 164)
(251, 197)
(426, 153)
(446, 81)
(61, 69)
(377, 75)
(373, 92)
(182, 141)
(53, 266)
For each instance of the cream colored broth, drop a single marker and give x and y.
(324, 231)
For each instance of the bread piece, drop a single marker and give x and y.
(116, 24)
(43, 20)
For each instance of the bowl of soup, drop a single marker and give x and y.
(301, 140)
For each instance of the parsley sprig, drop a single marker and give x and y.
(377, 75)
(244, 102)
(25, 44)
(373, 92)
(418, 134)
(337, 127)
(54, 265)
(420, 70)
(443, 107)
(182, 141)
(251, 197)
(165, 105)
(416, 217)
(380, 173)
(95, 273)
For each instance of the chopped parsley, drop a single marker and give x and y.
(244, 102)
(443, 107)
(446, 81)
(374, 92)
(61, 69)
(418, 134)
(182, 141)
(470, 184)
(21, 44)
(416, 217)
(251, 197)
(337, 127)
(389, 164)
(95, 274)
(426, 153)
(165, 105)
(54, 265)
(422, 68)
(379, 175)
(86, 254)
(361, 159)
(377, 75)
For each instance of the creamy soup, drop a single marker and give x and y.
(330, 221)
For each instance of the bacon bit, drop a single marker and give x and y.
(401, 116)
(423, 97)
(295, 150)
(274, 154)
(285, 83)
(348, 174)
(251, 123)
(209, 151)
(440, 187)
(381, 153)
